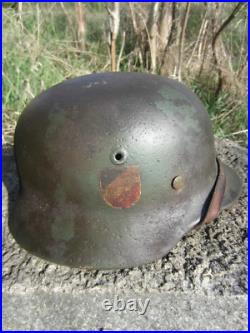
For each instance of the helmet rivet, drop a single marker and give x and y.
(178, 183)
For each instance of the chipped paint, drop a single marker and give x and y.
(95, 83)
(121, 188)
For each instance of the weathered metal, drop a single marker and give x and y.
(98, 158)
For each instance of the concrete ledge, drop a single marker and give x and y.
(39, 310)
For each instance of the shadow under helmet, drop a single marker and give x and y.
(114, 169)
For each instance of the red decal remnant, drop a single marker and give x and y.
(121, 187)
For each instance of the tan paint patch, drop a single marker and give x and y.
(121, 188)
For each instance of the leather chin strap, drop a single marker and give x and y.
(217, 195)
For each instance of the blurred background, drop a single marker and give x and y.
(204, 45)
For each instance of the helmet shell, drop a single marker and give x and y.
(114, 169)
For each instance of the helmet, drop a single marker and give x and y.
(114, 169)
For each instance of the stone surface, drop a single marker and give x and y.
(208, 267)
(39, 310)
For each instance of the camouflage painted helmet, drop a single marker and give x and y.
(114, 169)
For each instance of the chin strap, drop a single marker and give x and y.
(217, 195)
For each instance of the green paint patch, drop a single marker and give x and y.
(59, 195)
(56, 121)
(169, 93)
(173, 101)
(63, 226)
(192, 124)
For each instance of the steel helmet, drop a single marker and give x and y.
(114, 169)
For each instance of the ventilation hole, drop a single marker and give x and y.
(119, 156)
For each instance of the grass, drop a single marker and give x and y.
(228, 114)
(39, 51)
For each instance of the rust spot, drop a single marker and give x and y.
(121, 188)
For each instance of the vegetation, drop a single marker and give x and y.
(202, 44)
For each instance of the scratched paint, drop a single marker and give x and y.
(121, 188)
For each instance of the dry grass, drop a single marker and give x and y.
(40, 50)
